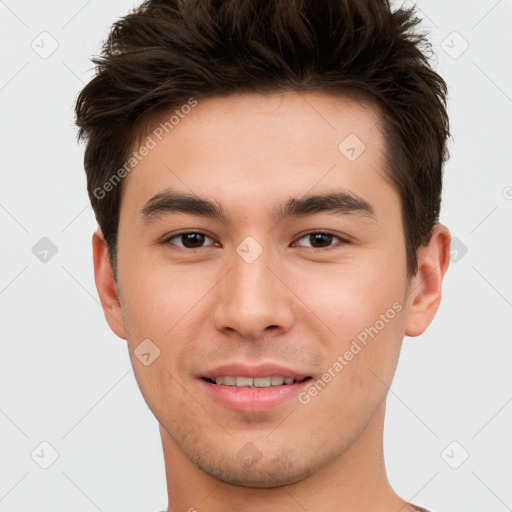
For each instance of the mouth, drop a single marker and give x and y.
(243, 387)
(255, 382)
(255, 395)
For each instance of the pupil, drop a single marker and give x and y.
(317, 237)
(196, 238)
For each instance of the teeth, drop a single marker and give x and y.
(262, 382)
(244, 381)
(257, 382)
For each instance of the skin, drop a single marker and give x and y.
(294, 305)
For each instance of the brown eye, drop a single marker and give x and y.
(190, 240)
(320, 240)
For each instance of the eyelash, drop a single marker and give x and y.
(342, 241)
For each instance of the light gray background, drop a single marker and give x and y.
(65, 379)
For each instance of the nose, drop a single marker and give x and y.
(253, 298)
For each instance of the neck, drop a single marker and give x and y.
(354, 480)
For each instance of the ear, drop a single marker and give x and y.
(425, 288)
(106, 285)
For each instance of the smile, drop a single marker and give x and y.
(256, 382)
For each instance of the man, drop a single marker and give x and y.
(267, 181)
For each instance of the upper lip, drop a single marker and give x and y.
(254, 371)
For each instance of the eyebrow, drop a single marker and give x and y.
(341, 202)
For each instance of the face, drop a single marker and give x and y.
(260, 238)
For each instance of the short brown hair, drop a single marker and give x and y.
(167, 51)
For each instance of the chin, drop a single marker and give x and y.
(275, 472)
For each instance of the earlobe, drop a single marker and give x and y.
(426, 287)
(106, 285)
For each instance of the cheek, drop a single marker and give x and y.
(162, 388)
(349, 296)
(156, 299)
(361, 304)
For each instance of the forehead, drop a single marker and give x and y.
(236, 118)
(250, 145)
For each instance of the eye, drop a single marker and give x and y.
(196, 240)
(190, 239)
(320, 239)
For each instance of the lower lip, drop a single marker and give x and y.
(254, 399)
